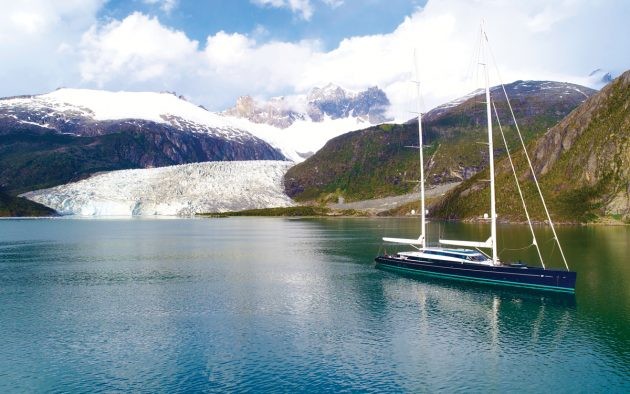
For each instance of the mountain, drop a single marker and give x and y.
(17, 206)
(599, 78)
(276, 112)
(69, 134)
(582, 163)
(375, 162)
(329, 102)
(300, 125)
(335, 102)
(175, 190)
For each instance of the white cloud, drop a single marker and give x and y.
(42, 47)
(333, 3)
(561, 40)
(268, 68)
(302, 7)
(551, 14)
(141, 53)
(138, 48)
(37, 41)
(28, 22)
(165, 5)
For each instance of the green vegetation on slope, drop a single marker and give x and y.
(377, 162)
(358, 165)
(33, 160)
(33, 157)
(30, 161)
(16, 206)
(298, 211)
(583, 165)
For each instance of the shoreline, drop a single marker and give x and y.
(319, 212)
(304, 212)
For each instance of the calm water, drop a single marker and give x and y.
(295, 305)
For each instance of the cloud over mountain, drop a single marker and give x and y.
(48, 46)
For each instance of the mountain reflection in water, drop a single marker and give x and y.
(261, 304)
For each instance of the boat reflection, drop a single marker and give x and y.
(482, 314)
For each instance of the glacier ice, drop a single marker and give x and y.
(180, 190)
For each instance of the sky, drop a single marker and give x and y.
(212, 51)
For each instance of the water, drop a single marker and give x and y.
(266, 304)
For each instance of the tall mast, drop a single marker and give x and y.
(493, 212)
(422, 239)
(423, 224)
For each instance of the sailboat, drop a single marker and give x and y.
(468, 262)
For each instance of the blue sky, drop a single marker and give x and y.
(328, 23)
(213, 51)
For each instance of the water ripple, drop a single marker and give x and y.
(186, 306)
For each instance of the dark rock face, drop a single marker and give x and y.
(32, 157)
(372, 103)
(43, 146)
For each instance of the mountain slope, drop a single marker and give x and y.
(69, 134)
(583, 164)
(375, 162)
(17, 206)
(358, 165)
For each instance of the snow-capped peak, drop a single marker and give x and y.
(328, 102)
(155, 107)
(330, 92)
(88, 112)
(86, 107)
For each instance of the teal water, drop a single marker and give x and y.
(268, 304)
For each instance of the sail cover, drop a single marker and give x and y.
(406, 241)
(470, 244)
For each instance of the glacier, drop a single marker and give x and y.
(180, 190)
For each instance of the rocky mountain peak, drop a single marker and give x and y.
(245, 106)
(600, 77)
(331, 101)
(275, 112)
(328, 92)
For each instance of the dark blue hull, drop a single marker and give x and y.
(522, 276)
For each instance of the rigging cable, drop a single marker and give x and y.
(513, 249)
(518, 186)
(529, 162)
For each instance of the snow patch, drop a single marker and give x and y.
(458, 101)
(101, 105)
(180, 190)
(304, 135)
